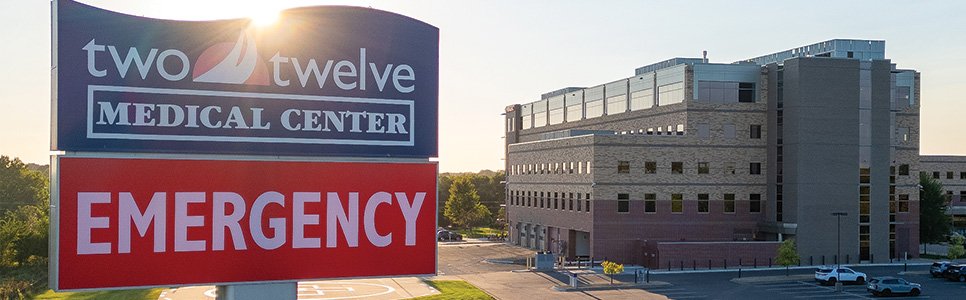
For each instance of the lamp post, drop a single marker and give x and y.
(838, 245)
(838, 238)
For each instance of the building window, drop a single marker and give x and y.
(935, 175)
(677, 203)
(962, 175)
(729, 168)
(623, 167)
(904, 170)
(588, 167)
(754, 168)
(677, 167)
(756, 131)
(623, 203)
(650, 203)
(755, 203)
(903, 202)
(650, 167)
(949, 175)
(680, 129)
(704, 203)
(703, 168)
(729, 203)
(746, 92)
(571, 167)
(588, 205)
(571, 202)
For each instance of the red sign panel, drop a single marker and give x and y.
(164, 222)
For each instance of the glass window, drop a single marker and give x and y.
(729, 168)
(650, 167)
(677, 203)
(588, 204)
(935, 175)
(650, 203)
(729, 203)
(746, 92)
(903, 202)
(754, 168)
(623, 203)
(677, 167)
(623, 167)
(756, 131)
(703, 203)
(949, 175)
(703, 168)
(904, 169)
(755, 203)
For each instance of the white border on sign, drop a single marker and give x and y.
(209, 138)
(54, 236)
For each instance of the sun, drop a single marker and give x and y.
(264, 17)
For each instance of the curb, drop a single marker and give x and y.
(659, 272)
(602, 287)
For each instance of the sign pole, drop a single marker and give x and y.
(257, 291)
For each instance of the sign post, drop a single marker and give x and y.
(241, 156)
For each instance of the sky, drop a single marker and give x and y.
(497, 53)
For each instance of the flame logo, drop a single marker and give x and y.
(236, 63)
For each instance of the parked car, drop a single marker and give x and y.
(446, 235)
(887, 286)
(955, 273)
(939, 267)
(830, 275)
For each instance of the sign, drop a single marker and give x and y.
(329, 81)
(166, 222)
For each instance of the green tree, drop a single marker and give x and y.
(444, 181)
(463, 208)
(956, 249)
(934, 224)
(19, 185)
(787, 254)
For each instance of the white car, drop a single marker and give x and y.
(830, 275)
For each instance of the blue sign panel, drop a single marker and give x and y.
(321, 81)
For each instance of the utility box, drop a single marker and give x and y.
(545, 261)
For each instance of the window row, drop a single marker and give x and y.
(551, 168)
(676, 203)
(548, 200)
(947, 175)
(677, 167)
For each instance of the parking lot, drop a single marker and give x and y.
(799, 286)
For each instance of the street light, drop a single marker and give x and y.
(838, 239)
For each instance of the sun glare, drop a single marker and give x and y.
(264, 17)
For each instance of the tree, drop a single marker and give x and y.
(463, 208)
(19, 185)
(611, 269)
(956, 249)
(934, 224)
(787, 254)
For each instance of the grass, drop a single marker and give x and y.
(454, 289)
(480, 232)
(147, 294)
